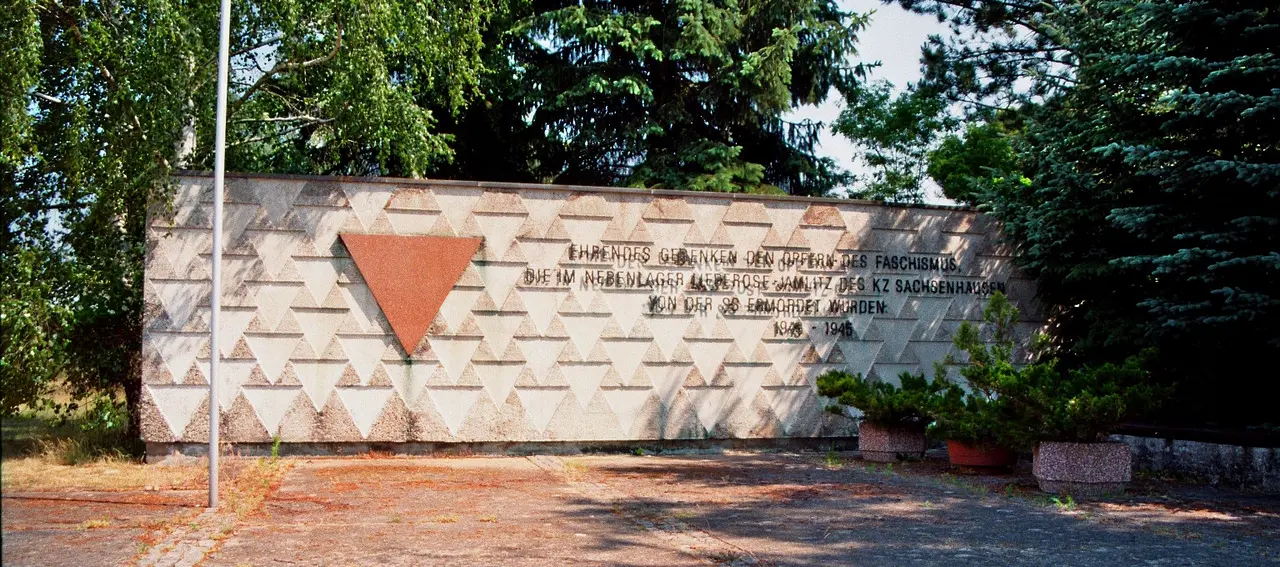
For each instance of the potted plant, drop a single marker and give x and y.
(972, 426)
(972, 418)
(1070, 415)
(1066, 415)
(893, 417)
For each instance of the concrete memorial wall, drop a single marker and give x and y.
(391, 310)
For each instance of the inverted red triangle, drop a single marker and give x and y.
(410, 276)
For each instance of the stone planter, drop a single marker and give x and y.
(889, 443)
(984, 456)
(1082, 469)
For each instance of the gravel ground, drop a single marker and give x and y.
(736, 508)
(798, 510)
(75, 528)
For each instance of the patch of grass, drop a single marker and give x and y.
(1170, 531)
(247, 483)
(1065, 504)
(965, 486)
(446, 520)
(93, 432)
(94, 524)
(47, 473)
(488, 519)
(724, 556)
(575, 470)
(833, 461)
(158, 530)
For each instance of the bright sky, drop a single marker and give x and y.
(893, 37)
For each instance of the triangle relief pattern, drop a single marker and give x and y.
(412, 311)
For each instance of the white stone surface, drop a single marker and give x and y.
(364, 405)
(454, 353)
(454, 405)
(410, 379)
(177, 350)
(498, 380)
(272, 352)
(270, 403)
(540, 405)
(177, 404)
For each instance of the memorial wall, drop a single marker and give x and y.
(392, 310)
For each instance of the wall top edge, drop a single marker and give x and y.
(577, 188)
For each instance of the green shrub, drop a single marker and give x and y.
(975, 413)
(1081, 405)
(1017, 405)
(73, 433)
(971, 418)
(882, 402)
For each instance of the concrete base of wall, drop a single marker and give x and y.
(1251, 468)
(159, 451)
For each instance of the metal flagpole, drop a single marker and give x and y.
(215, 302)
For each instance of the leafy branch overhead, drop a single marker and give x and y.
(108, 98)
(895, 133)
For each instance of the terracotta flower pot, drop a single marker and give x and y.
(987, 456)
(889, 443)
(1082, 469)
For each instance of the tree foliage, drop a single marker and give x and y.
(1016, 399)
(30, 323)
(349, 87)
(971, 409)
(966, 167)
(108, 98)
(31, 327)
(1000, 54)
(684, 94)
(1151, 215)
(896, 133)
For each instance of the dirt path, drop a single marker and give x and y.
(798, 510)
(77, 528)
(737, 509)
(477, 511)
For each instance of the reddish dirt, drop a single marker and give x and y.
(775, 509)
(480, 511)
(78, 529)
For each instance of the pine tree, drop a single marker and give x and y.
(1153, 216)
(686, 94)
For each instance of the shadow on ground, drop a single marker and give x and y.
(798, 510)
(753, 508)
